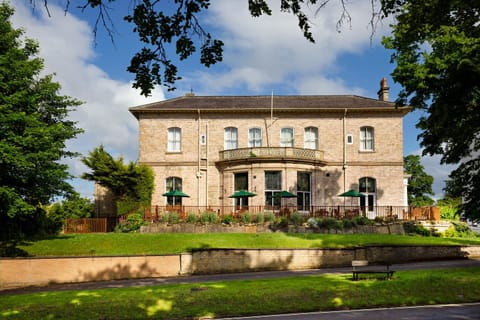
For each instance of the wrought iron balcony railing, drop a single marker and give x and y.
(264, 153)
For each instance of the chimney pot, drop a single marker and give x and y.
(383, 92)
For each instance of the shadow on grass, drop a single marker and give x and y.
(9, 248)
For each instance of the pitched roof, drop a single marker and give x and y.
(189, 103)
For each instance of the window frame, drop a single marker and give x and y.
(367, 139)
(253, 140)
(230, 138)
(174, 139)
(307, 142)
(290, 142)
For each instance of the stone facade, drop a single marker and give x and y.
(333, 160)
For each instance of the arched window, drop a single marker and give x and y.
(286, 137)
(174, 139)
(367, 139)
(230, 138)
(311, 138)
(254, 137)
(172, 184)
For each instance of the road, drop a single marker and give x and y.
(469, 311)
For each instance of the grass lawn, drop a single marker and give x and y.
(233, 298)
(173, 243)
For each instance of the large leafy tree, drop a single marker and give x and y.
(131, 184)
(419, 183)
(34, 127)
(436, 47)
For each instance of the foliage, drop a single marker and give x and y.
(161, 29)
(71, 208)
(413, 228)
(208, 217)
(131, 184)
(361, 221)
(296, 218)
(450, 208)
(246, 217)
(437, 52)
(260, 218)
(191, 217)
(132, 223)
(459, 230)
(269, 217)
(330, 223)
(419, 182)
(228, 219)
(34, 128)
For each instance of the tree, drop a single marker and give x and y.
(419, 183)
(161, 28)
(33, 130)
(436, 47)
(131, 184)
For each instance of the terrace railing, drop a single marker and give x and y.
(263, 153)
(338, 212)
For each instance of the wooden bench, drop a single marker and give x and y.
(362, 267)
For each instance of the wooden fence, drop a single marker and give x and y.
(86, 225)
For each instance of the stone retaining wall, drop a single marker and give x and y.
(42, 271)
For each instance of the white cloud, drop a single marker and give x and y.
(261, 52)
(66, 45)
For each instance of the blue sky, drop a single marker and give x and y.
(261, 55)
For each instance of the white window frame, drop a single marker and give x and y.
(230, 138)
(254, 137)
(349, 139)
(286, 137)
(311, 138)
(367, 139)
(174, 139)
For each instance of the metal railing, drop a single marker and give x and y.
(156, 213)
(271, 153)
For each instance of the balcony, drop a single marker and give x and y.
(264, 154)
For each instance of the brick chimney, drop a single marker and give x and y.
(383, 92)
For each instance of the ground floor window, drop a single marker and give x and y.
(174, 184)
(273, 187)
(303, 191)
(368, 186)
(241, 183)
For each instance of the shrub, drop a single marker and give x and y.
(246, 217)
(191, 218)
(459, 230)
(259, 218)
(312, 223)
(173, 218)
(208, 217)
(348, 224)
(164, 217)
(132, 223)
(269, 217)
(296, 218)
(228, 219)
(330, 223)
(281, 222)
(361, 221)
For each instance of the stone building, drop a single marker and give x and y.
(314, 147)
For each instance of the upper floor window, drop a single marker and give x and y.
(174, 139)
(230, 138)
(366, 139)
(254, 137)
(311, 138)
(286, 137)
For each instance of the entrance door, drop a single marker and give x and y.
(368, 187)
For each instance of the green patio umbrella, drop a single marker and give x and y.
(174, 194)
(242, 194)
(352, 193)
(286, 194)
